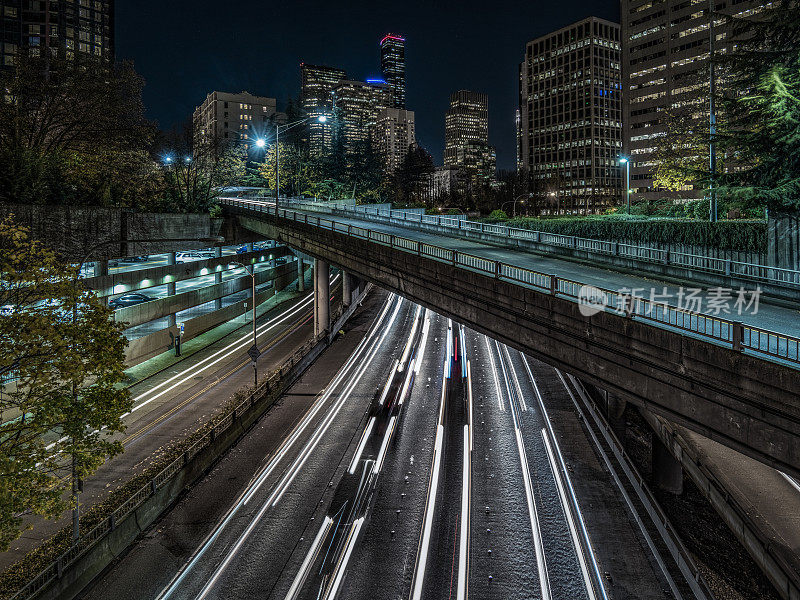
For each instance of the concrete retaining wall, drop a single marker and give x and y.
(783, 241)
(73, 231)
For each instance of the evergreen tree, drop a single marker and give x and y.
(762, 135)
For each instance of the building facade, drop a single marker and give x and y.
(224, 119)
(666, 47)
(358, 104)
(316, 99)
(393, 67)
(446, 181)
(466, 137)
(67, 29)
(570, 116)
(393, 134)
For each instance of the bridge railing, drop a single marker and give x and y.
(755, 272)
(740, 337)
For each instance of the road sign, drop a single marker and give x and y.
(254, 352)
(180, 328)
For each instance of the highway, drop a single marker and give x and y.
(421, 462)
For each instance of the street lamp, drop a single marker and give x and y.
(278, 130)
(253, 352)
(515, 200)
(260, 142)
(626, 161)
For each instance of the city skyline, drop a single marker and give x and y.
(437, 64)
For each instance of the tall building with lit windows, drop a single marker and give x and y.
(393, 134)
(67, 29)
(666, 46)
(316, 99)
(393, 66)
(224, 119)
(570, 116)
(358, 105)
(466, 137)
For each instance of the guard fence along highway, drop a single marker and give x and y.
(755, 272)
(741, 337)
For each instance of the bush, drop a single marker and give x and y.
(497, 215)
(741, 236)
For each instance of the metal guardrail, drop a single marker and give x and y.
(88, 540)
(730, 268)
(740, 337)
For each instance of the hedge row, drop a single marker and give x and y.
(739, 236)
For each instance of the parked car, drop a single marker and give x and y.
(184, 257)
(128, 300)
(134, 259)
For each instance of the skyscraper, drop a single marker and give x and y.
(393, 66)
(570, 126)
(665, 66)
(466, 136)
(357, 105)
(69, 29)
(317, 83)
(393, 134)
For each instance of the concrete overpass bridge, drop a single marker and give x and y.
(737, 382)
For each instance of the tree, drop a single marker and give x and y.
(298, 171)
(73, 134)
(762, 135)
(681, 153)
(413, 176)
(67, 355)
(194, 170)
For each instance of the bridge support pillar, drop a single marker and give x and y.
(100, 268)
(171, 287)
(615, 410)
(667, 470)
(322, 292)
(217, 278)
(349, 287)
(301, 275)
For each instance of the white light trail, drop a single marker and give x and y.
(303, 572)
(573, 531)
(364, 438)
(463, 551)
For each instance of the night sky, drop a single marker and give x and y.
(187, 48)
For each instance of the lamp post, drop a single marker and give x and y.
(514, 206)
(278, 130)
(253, 352)
(626, 161)
(558, 202)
